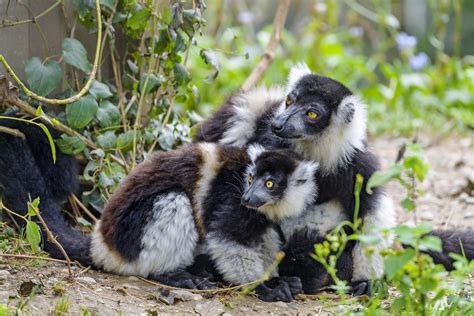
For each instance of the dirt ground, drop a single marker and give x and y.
(448, 202)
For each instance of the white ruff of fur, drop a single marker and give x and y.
(239, 263)
(297, 195)
(368, 266)
(249, 106)
(254, 151)
(297, 72)
(169, 240)
(321, 218)
(207, 171)
(336, 145)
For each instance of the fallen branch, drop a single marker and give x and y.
(53, 239)
(83, 207)
(18, 256)
(12, 131)
(269, 54)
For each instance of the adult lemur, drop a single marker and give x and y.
(324, 121)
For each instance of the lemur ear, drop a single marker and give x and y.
(304, 172)
(254, 151)
(296, 73)
(346, 109)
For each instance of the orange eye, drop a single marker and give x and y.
(288, 101)
(312, 115)
(250, 179)
(269, 184)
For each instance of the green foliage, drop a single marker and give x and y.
(43, 78)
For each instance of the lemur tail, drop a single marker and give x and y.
(451, 243)
(27, 171)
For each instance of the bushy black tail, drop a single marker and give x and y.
(27, 171)
(452, 240)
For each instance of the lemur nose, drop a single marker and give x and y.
(277, 126)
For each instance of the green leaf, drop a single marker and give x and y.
(380, 178)
(408, 204)
(75, 54)
(81, 112)
(100, 90)
(70, 145)
(210, 58)
(139, 19)
(108, 3)
(181, 74)
(166, 16)
(152, 83)
(125, 141)
(33, 207)
(108, 114)
(431, 243)
(133, 67)
(42, 78)
(33, 235)
(369, 239)
(108, 140)
(84, 222)
(50, 140)
(395, 263)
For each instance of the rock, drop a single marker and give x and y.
(427, 216)
(87, 280)
(184, 295)
(281, 304)
(133, 278)
(244, 309)
(4, 274)
(210, 308)
(227, 314)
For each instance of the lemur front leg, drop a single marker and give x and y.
(240, 264)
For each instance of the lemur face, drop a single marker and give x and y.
(278, 183)
(311, 105)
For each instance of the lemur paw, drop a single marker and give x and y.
(186, 280)
(361, 287)
(279, 289)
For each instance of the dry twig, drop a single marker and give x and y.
(269, 54)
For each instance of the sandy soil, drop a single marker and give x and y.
(449, 202)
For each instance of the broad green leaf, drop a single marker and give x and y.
(166, 16)
(108, 140)
(70, 145)
(125, 141)
(181, 74)
(108, 114)
(108, 3)
(152, 83)
(33, 235)
(430, 243)
(75, 54)
(408, 204)
(133, 67)
(81, 112)
(100, 90)
(380, 178)
(369, 239)
(394, 263)
(42, 78)
(138, 19)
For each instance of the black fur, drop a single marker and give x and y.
(27, 171)
(451, 243)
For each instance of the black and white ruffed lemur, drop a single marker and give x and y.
(27, 171)
(205, 199)
(322, 120)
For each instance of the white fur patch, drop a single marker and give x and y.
(207, 172)
(297, 72)
(297, 195)
(370, 266)
(169, 240)
(249, 107)
(238, 263)
(336, 145)
(320, 217)
(254, 151)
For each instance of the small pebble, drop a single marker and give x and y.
(87, 280)
(4, 274)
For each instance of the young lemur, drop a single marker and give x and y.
(196, 199)
(324, 121)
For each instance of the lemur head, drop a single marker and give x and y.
(278, 183)
(313, 104)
